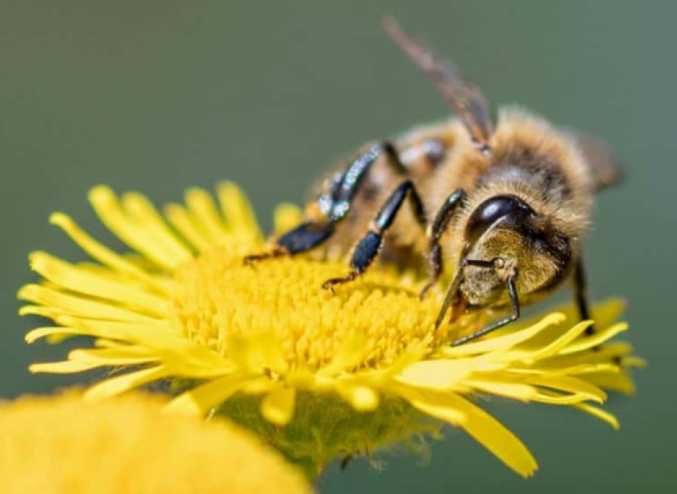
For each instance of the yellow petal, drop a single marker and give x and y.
(63, 367)
(568, 384)
(119, 384)
(565, 368)
(238, 211)
(76, 305)
(201, 399)
(538, 353)
(38, 333)
(109, 210)
(141, 211)
(594, 340)
(633, 361)
(157, 335)
(102, 253)
(600, 414)
(442, 374)
(526, 392)
(604, 313)
(613, 381)
(504, 342)
(507, 389)
(111, 357)
(605, 355)
(83, 281)
(278, 405)
(362, 398)
(439, 405)
(186, 225)
(203, 209)
(495, 437)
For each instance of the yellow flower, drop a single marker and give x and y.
(318, 375)
(61, 445)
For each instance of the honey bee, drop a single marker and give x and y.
(507, 204)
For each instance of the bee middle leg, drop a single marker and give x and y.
(437, 228)
(369, 246)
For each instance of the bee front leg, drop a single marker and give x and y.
(437, 228)
(514, 302)
(369, 246)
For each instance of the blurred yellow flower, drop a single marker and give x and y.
(60, 445)
(264, 345)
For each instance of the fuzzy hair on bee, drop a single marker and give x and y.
(506, 205)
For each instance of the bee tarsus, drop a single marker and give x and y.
(368, 247)
(514, 316)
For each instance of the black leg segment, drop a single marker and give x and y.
(386, 216)
(335, 204)
(514, 302)
(343, 193)
(580, 294)
(437, 228)
(305, 236)
(297, 240)
(368, 247)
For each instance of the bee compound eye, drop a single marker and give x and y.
(494, 209)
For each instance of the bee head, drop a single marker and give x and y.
(513, 241)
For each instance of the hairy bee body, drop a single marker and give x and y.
(505, 205)
(531, 159)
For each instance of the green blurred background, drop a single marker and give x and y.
(160, 95)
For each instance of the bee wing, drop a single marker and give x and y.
(466, 99)
(604, 164)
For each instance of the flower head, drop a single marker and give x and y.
(320, 375)
(129, 445)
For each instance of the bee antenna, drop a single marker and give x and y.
(465, 99)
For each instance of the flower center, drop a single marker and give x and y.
(218, 297)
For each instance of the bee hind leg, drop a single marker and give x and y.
(338, 200)
(581, 295)
(297, 240)
(369, 246)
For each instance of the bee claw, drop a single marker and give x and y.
(346, 461)
(252, 259)
(424, 291)
(332, 282)
(329, 285)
